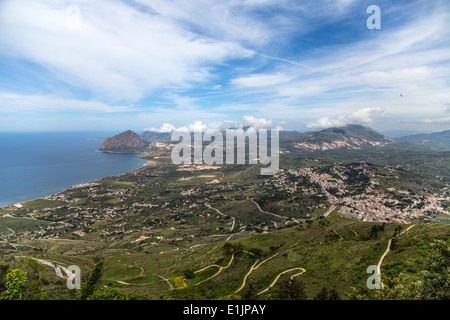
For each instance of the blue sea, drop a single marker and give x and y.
(34, 165)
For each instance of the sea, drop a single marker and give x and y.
(38, 164)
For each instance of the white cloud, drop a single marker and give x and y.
(256, 123)
(227, 20)
(165, 128)
(445, 120)
(14, 103)
(246, 121)
(261, 80)
(364, 117)
(118, 53)
(125, 50)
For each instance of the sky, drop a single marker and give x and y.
(159, 64)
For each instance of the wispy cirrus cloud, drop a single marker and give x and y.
(118, 52)
(261, 80)
(15, 103)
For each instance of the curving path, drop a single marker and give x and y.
(266, 212)
(166, 280)
(279, 275)
(356, 233)
(217, 273)
(252, 268)
(387, 251)
(222, 214)
(334, 230)
(57, 267)
(245, 277)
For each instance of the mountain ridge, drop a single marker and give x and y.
(439, 140)
(351, 136)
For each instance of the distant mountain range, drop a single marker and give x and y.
(348, 137)
(437, 140)
(152, 136)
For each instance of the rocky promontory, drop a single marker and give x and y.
(125, 142)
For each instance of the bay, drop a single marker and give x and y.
(37, 164)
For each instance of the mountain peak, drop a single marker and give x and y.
(125, 142)
(352, 136)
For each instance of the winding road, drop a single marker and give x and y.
(221, 213)
(266, 212)
(56, 267)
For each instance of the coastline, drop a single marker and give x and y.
(118, 152)
(146, 163)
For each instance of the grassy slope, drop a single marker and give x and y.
(335, 253)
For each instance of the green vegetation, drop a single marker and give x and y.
(15, 282)
(169, 232)
(90, 286)
(40, 204)
(432, 283)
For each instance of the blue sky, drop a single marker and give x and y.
(307, 65)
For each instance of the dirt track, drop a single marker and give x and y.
(280, 274)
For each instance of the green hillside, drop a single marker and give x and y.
(334, 252)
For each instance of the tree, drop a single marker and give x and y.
(434, 283)
(296, 289)
(334, 295)
(398, 288)
(189, 274)
(375, 230)
(250, 293)
(15, 283)
(395, 288)
(258, 252)
(435, 278)
(230, 248)
(115, 294)
(323, 294)
(89, 288)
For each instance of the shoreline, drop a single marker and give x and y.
(146, 163)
